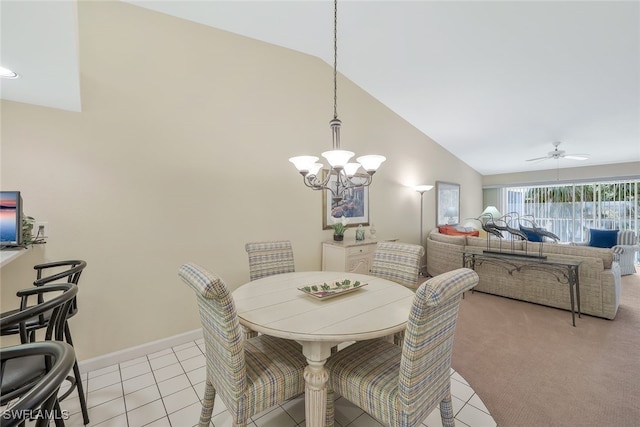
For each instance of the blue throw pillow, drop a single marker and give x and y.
(531, 236)
(603, 238)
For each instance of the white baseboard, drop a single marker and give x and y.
(138, 351)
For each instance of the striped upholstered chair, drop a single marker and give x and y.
(269, 258)
(401, 386)
(251, 375)
(398, 262)
(627, 245)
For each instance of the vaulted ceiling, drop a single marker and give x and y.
(495, 83)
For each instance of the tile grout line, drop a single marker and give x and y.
(124, 400)
(155, 380)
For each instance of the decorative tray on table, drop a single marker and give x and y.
(326, 290)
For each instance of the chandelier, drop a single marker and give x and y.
(342, 175)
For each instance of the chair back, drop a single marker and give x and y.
(398, 262)
(42, 394)
(269, 258)
(21, 378)
(72, 271)
(627, 237)
(426, 354)
(222, 333)
(58, 306)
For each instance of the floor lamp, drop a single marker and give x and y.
(422, 189)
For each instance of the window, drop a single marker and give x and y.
(570, 210)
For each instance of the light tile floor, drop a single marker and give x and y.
(163, 389)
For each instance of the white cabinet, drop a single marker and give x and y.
(348, 256)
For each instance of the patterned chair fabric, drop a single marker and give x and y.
(269, 258)
(398, 262)
(626, 248)
(401, 386)
(248, 375)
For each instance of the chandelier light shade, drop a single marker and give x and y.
(342, 174)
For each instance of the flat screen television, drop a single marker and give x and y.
(10, 219)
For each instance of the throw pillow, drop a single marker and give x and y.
(452, 231)
(603, 238)
(531, 236)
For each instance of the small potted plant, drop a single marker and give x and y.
(339, 228)
(27, 229)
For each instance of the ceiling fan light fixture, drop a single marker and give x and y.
(576, 156)
(6, 73)
(559, 154)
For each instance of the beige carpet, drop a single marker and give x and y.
(532, 368)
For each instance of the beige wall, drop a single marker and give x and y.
(180, 154)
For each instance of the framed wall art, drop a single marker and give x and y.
(447, 203)
(354, 206)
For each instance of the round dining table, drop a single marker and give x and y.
(279, 306)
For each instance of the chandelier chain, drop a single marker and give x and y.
(335, 59)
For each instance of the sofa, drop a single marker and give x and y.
(598, 273)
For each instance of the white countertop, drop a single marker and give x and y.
(8, 255)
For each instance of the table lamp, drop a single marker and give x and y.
(490, 212)
(451, 213)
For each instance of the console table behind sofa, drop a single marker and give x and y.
(599, 274)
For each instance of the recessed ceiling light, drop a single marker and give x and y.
(8, 74)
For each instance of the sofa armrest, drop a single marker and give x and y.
(622, 252)
(622, 249)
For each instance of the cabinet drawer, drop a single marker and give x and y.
(361, 250)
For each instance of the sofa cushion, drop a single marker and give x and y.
(603, 238)
(531, 236)
(453, 231)
(444, 238)
(495, 243)
(606, 255)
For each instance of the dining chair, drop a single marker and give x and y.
(267, 259)
(249, 375)
(19, 375)
(41, 397)
(398, 262)
(401, 386)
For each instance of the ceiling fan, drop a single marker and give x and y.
(560, 154)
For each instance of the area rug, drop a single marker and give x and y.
(531, 367)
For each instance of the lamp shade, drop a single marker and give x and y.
(304, 163)
(315, 168)
(372, 162)
(350, 169)
(423, 188)
(491, 212)
(338, 158)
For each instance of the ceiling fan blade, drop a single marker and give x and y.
(576, 156)
(538, 158)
